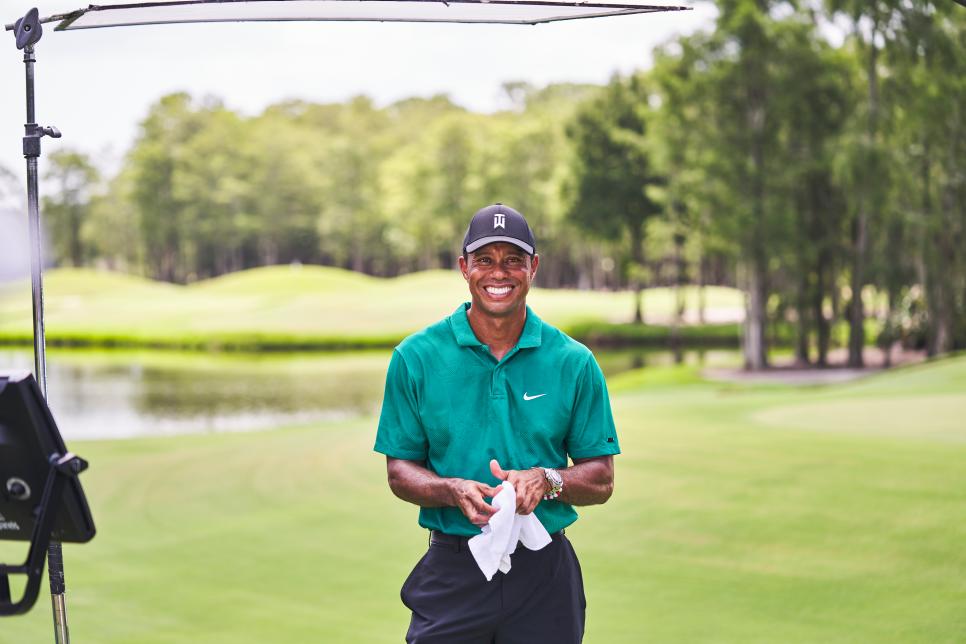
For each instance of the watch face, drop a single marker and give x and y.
(554, 477)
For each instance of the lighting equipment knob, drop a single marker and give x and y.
(18, 489)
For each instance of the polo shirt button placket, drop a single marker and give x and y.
(498, 383)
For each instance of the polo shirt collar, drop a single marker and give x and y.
(531, 336)
(460, 324)
(461, 327)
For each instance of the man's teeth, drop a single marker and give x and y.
(497, 290)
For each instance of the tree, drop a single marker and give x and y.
(749, 116)
(873, 23)
(612, 172)
(71, 181)
(926, 89)
(285, 189)
(154, 164)
(111, 233)
(683, 97)
(737, 143)
(521, 166)
(350, 224)
(812, 110)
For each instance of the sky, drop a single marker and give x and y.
(96, 85)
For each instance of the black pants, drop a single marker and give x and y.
(541, 599)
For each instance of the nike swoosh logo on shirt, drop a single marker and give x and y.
(526, 397)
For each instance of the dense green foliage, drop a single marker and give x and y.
(759, 154)
(739, 515)
(383, 191)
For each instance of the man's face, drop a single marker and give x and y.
(499, 277)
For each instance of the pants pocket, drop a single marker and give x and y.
(412, 579)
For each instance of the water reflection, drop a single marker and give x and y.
(116, 394)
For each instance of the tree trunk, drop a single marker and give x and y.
(929, 277)
(637, 256)
(358, 256)
(753, 330)
(638, 304)
(755, 345)
(856, 309)
(269, 251)
(821, 211)
(76, 248)
(822, 328)
(679, 277)
(553, 278)
(888, 331)
(938, 341)
(942, 304)
(801, 307)
(677, 318)
(702, 282)
(860, 229)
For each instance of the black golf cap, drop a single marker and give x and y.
(499, 223)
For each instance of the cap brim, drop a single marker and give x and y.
(483, 241)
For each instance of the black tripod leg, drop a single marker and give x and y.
(4, 589)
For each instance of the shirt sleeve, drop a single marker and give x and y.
(592, 432)
(400, 433)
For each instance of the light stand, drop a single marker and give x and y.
(28, 32)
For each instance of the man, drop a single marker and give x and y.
(494, 394)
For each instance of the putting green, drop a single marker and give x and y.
(922, 401)
(901, 416)
(723, 527)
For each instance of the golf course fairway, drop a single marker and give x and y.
(741, 514)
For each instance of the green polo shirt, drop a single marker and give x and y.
(452, 405)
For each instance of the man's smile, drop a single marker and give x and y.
(498, 291)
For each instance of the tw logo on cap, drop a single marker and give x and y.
(499, 221)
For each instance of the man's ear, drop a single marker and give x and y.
(534, 262)
(464, 268)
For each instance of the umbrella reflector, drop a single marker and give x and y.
(465, 11)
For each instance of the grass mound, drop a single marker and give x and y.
(284, 281)
(282, 307)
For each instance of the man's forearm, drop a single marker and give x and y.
(590, 481)
(412, 481)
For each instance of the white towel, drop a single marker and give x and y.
(492, 548)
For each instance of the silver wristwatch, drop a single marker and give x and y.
(555, 481)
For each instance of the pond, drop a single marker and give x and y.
(122, 394)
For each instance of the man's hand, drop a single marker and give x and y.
(468, 497)
(530, 485)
